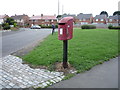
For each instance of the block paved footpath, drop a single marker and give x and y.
(14, 74)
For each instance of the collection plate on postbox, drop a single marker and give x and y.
(65, 28)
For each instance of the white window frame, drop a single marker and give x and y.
(110, 20)
(80, 20)
(96, 20)
(84, 19)
(52, 20)
(102, 20)
(46, 20)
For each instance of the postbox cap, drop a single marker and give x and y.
(65, 19)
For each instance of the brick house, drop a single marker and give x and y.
(3, 18)
(22, 20)
(100, 19)
(43, 20)
(114, 20)
(84, 19)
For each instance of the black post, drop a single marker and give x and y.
(65, 46)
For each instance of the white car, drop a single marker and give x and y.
(35, 27)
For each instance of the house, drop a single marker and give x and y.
(22, 20)
(69, 15)
(100, 19)
(43, 20)
(114, 20)
(84, 19)
(3, 18)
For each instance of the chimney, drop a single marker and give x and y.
(41, 15)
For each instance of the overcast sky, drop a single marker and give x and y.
(50, 7)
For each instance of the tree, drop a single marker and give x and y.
(10, 21)
(104, 13)
(59, 16)
(116, 13)
(6, 26)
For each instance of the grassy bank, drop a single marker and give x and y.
(87, 49)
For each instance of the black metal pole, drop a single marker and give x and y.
(65, 46)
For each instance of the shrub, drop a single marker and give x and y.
(43, 26)
(88, 27)
(6, 26)
(113, 27)
(110, 26)
(50, 26)
(56, 26)
(0, 26)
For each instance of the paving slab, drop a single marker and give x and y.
(17, 75)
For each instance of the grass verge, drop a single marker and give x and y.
(87, 49)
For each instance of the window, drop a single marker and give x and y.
(46, 20)
(36, 20)
(51, 20)
(110, 20)
(84, 19)
(96, 19)
(102, 19)
(80, 20)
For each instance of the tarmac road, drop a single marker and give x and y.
(16, 40)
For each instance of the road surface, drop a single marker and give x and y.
(16, 40)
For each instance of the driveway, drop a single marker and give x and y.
(16, 40)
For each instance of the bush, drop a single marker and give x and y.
(6, 26)
(56, 26)
(113, 27)
(88, 27)
(44, 26)
(110, 26)
(0, 26)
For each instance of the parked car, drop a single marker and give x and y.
(35, 27)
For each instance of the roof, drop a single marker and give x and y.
(16, 17)
(2, 16)
(100, 17)
(69, 15)
(84, 16)
(46, 17)
(114, 17)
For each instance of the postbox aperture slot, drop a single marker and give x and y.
(61, 23)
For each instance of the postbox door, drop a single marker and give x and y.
(62, 32)
(70, 29)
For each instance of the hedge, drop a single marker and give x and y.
(113, 27)
(43, 26)
(88, 27)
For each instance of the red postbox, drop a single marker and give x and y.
(65, 32)
(65, 28)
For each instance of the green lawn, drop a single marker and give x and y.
(87, 49)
